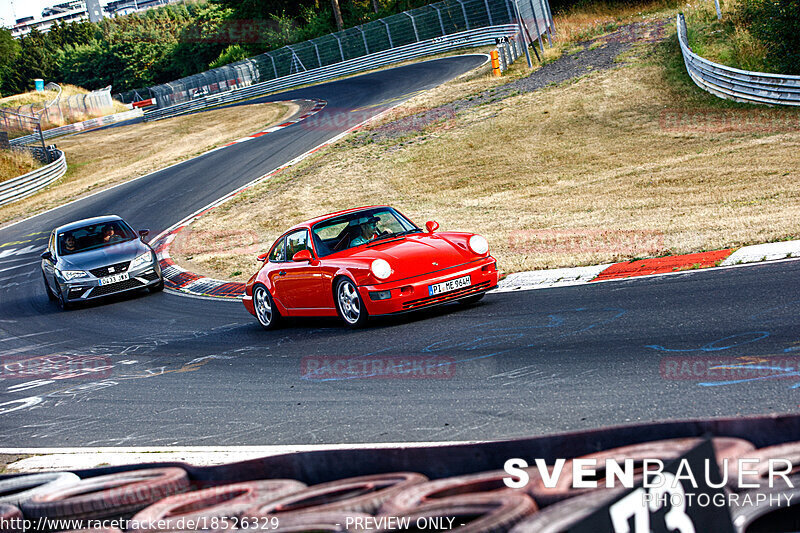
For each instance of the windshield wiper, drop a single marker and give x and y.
(407, 232)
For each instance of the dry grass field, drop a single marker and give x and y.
(102, 158)
(630, 162)
(13, 164)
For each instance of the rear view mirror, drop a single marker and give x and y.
(431, 226)
(47, 256)
(302, 255)
(144, 232)
(263, 257)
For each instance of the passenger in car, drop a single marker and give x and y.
(109, 234)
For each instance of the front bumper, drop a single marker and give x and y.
(84, 289)
(412, 293)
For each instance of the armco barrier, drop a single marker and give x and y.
(467, 39)
(78, 126)
(27, 184)
(438, 19)
(734, 84)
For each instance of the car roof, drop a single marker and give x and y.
(311, 222)
(87, 221)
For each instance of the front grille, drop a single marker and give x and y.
(102, 290)
(103, 271)
(439, 298)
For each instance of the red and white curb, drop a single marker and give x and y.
(318, 106)
(191, 284)
(657, 266)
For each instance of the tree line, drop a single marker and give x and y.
(172, 41)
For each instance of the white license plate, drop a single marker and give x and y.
(450, 285)
(108, 280)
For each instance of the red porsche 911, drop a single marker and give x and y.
(365, 262)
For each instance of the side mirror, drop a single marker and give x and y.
(302, 255)
(431, 226)
(144, 232)
(47, 256)
(263, 257)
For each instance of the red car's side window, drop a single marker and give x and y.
(277, 255)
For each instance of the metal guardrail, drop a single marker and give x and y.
(27, 184)
(735, 84)
(438, 19)
(77, 126)
(467, 39)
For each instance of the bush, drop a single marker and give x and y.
(776, 23)
(231, 54)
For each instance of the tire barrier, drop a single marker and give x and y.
(565, 514)
(761, 515)
(364, 494)
(357, 502)
(432, 491)
(114, 495)
(665, 450)
(18, 490)
(475, 513)
(789, 452)
(320, 522)
(97, 530)
(27, 184)
(735, 84)
(204, 509)
(10, 516)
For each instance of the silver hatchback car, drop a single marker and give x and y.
(97, 257)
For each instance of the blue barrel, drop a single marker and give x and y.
(39, 84)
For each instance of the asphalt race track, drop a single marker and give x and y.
(180, 370)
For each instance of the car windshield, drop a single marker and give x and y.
(358, 228)
(94, 236)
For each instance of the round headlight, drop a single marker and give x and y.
(381, 269)
(478, 244)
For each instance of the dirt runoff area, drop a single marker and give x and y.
(608, 153)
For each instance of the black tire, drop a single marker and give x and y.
(62, 302)
(17, 490)
(349, 305)
(225, 503)
(486, 483)
(472, 299)
(113, 495)
(158, 287)
(563, 515)
(789, 452)
(766, 515)
(363, 494)
(318, 522)
(264, 305)
(50, 295)
(496, 512)
(10, 519)
(724, 448)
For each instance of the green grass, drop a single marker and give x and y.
(724, 41)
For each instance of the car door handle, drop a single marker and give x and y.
(282, 273)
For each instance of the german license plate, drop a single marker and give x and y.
(449, 285)
(108, 280)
